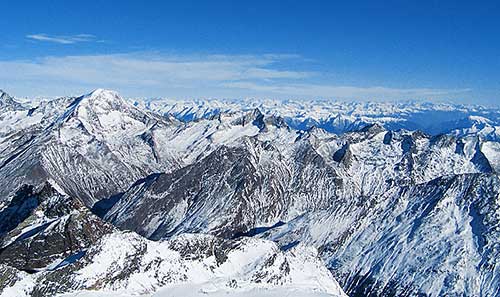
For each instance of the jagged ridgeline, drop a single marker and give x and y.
(101, 194)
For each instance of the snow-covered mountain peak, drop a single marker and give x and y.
(104, 99)
(101, 91)
(254, 117)
(104, 111)
(7, 102)
(90, 107)
(104, 94)
(373, 128)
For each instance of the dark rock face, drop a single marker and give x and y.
(342, 154)
(480, 160)
(18, 209)
(48, 226)
(388, 137)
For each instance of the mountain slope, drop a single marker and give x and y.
(129, 264)
(41, 227)
(436, 238)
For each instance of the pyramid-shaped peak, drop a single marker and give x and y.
(373, 128)
(4, 96)
(256, 112)
(6, 101)
(253, 116)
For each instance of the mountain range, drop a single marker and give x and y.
(105, 195)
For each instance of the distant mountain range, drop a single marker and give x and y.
(340, 117)
(103, 195)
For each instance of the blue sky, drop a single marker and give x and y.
(395, 50)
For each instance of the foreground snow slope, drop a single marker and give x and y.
(190, 263)
(200, 291)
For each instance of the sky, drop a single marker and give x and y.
(349, 50)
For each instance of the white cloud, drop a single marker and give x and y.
(62, 39)
(152, 75)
